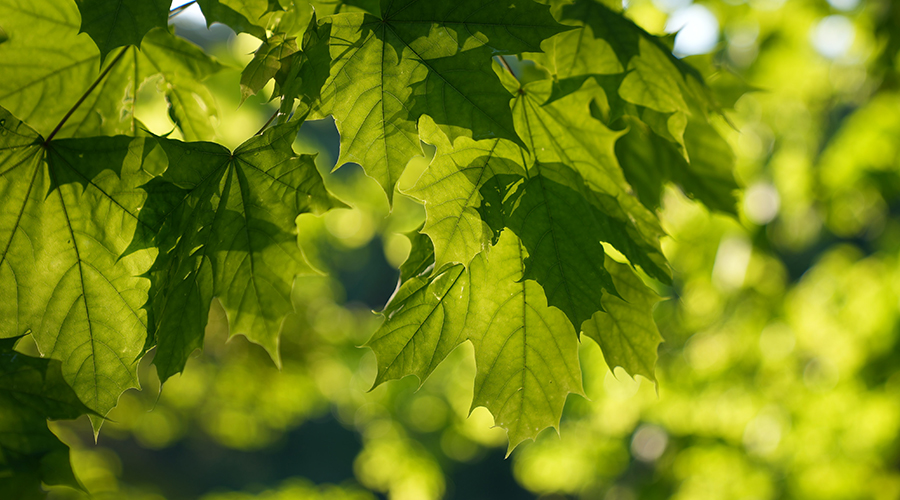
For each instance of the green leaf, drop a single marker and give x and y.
(608, 43)
(421, 256)
(35, 66)
(265, 64)
(564, 133)
(243, 16)
(649, 161)
(226, 222)
(115, 23)
(303, 74)
(526, 352)
(3, 36)
(181, 67)
(424, 323)
(46, 56)
(562, 233)
(420, 58)
(31, 391)
(450, 189)
(625, 331)
(68, 212)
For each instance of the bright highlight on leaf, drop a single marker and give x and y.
(114, 242)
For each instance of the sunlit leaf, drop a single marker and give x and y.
(69, 211)
(424, 58)
(625, 331)
(526, 352)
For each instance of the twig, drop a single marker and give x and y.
(86, 93)
(181, 8)
(268, 122)
(507, 66)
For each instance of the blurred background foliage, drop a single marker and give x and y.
(777, 379)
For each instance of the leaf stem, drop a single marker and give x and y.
(268, 122)
(507, 66)
(181, 8)
(86, 93)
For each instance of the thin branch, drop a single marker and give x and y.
(268, 122)
(86, 93)
(507, 66)
(181, 8)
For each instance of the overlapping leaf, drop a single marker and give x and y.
(31, 391)
(420, 58)
(625, 331)
(226, 222)
(68, 211)
(116, 23)
(450, 188)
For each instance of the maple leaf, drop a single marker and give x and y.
(31, 391)
(526, 353)
(226, 224)
(68, 212)
(418, 58)
(114, 23)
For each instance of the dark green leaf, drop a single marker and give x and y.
(226, 223)
(68, 212)
(116, 23)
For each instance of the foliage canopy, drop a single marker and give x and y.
(540, 194)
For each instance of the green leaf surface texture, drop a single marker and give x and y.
(625, 330)
(69, 211)
(49, 66)
(526, 352)
(423, 58)
(31, 391)
(116, 23)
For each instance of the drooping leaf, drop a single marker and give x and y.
(31, 391)
(526, 352)
(265, 64)
(68, 212)
(116, 23)
(420, 58)
(625, 331)
(424, 323)
(303, 74)
(562, 132)
(243, 16)
(226, 222)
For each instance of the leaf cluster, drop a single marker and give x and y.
(115, 241)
